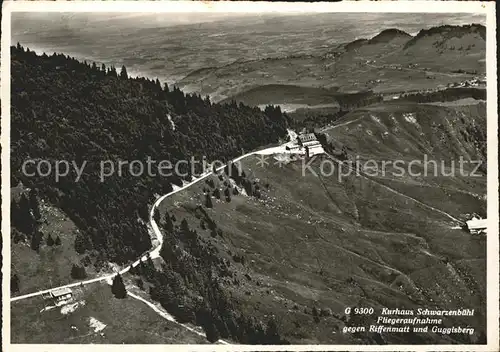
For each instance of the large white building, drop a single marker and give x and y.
(61, 294)
(311, 144)
(307, 137)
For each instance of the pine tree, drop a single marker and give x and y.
(118, 287)
(209, 326)
(134, 270)
(50, 241)
(272, 333)
(36, 239)
(208, 201)
(184, 226)
(15, 215)
(78, 272)
(34, 205)
(123, 73)
(82, 272)
(140, 283)
(81, 243)
(169, 225)
(14, 283)
(210, 182)
(248, 187)
(216, 193)
(26, 223)
(156, 216)
(149, 267)
(58, 241)
(315, 314)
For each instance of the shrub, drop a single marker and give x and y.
(78, 272)
(118, 287)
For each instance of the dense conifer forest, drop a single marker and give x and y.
(192, 284)
(63, 109)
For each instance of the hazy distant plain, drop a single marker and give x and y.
(170, 46)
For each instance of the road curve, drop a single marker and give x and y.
(154, 252)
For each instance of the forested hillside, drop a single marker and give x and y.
(448, 94)
(63, 109)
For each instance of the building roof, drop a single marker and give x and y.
(477, 224)
(311, 143)
(316, 146)
(316, 149)
(61, 291)
(307, 137)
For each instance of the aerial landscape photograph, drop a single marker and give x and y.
(248, 178)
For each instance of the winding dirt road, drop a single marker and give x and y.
(155, 252)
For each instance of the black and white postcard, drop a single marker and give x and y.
(224, 176)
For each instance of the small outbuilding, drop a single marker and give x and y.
(477, 226)
(61, 294)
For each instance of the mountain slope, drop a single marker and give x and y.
(460, 47)
(414, 130)
(304, 247)
(388, 35)
(304, 241)
(446, 33)
(430, 143)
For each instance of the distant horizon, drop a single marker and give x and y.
(169, 48)
(163, 20)
(40, 50)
